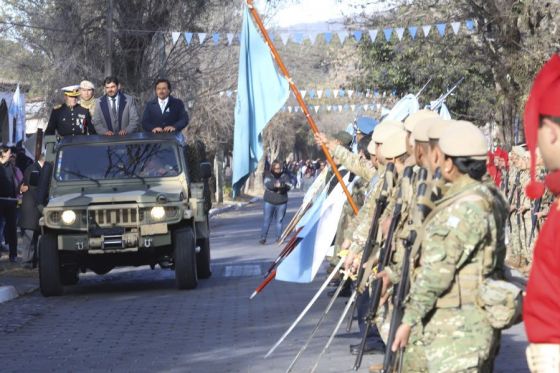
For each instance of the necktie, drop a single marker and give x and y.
(114, 107)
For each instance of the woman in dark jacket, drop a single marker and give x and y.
(277, 184)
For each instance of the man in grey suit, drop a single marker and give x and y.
(115, 112)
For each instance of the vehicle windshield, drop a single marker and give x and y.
(116, 161)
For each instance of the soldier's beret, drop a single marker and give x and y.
(420, 131)
(414, 118)
(395, 145)
(344, 138)
(438, 127)
(464, 139)
(86, 84)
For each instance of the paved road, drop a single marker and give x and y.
(134, 319)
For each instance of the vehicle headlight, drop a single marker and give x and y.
(157, 212)
(68, 217)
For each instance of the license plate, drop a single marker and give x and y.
(151, 229)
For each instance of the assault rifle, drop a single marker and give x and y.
(383, 261)
(380, 206)
(512, 194)
(423, 208)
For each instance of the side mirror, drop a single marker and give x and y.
(34, 178)
(205, 170)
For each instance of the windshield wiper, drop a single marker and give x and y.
(81, 176)
(138, 177)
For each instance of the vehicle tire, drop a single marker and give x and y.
(184, 253)
(49, 266)
(203, 259)
(69, 276)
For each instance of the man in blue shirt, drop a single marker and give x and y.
(164, 113)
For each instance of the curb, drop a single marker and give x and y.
(232, 207)
(8, 293)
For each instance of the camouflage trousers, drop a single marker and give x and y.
(453, 340)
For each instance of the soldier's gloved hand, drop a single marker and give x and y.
(401, 337)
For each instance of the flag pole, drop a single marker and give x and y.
(299, 98)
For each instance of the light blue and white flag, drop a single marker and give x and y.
(407, 105)
(261, 93)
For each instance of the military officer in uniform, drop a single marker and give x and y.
(70, 119)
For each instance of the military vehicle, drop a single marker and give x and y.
(117, 201)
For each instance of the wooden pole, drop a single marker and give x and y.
(299, 98)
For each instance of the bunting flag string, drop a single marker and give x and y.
(331, 93)
(358, 36)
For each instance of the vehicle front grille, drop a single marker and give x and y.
(115, 217)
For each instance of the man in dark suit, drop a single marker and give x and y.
(115, 112)
(165, 113)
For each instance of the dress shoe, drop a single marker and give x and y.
(368, 350)
(262, 241)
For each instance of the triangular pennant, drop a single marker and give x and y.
(368, 93)
(316, 107)
(426, 30)
(400, 32)
(188, 37)
(358, 36)
(229, 38)
(373, 35)
(346, 107)
(341, 92)
(290, 109)
(201, 37)
(441, 29)
(328, 37)
(175, 36)
(285, 37)
(350, 93)
(229, 93)
(190, 104)
(297, 109)
(376, 93)
(412, 30)
(312, 37)
(470, 24)
(319, 93)
(329, 107)
(335, 92)
(342, 35)
(303, 92)
(312, 93)
(455, 26)
(328, 93)
(298, 37)
(353, 107)
(216, 38)
(340, 108)
(388, 32)
(222, 93)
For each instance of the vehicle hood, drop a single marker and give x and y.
(173, 194)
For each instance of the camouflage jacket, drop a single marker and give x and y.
(361, 167)
(454, 252)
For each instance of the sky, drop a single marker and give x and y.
(293, 13)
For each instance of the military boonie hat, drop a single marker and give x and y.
(438, 127)
(464, 139)
(415, 118)
(86, 84)
(420, 131)
(71, 91)
(395, 145)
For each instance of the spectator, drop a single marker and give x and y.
(30, 214)
(277, 184)
(8, 200)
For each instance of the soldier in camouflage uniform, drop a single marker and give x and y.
(519, 205)
(462, 240)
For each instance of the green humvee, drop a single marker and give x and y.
(123, 201)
